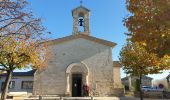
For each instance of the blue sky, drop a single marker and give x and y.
(105, 20)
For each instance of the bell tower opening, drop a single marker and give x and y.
(81, 23)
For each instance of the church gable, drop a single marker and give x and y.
(79, 49)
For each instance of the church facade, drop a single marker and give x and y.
(77, 60)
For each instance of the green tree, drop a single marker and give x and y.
(20, 39)
(149, 24)
(136, 61)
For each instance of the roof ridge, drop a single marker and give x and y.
(71, 37)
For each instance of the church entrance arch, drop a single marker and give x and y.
(76, 75)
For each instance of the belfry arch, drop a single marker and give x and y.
(76, 69)
(81, 17)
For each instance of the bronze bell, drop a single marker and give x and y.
(81, 21)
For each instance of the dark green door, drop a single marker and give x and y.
(76, 85)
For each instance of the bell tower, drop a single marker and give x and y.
(81, 17)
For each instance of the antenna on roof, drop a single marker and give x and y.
(81, 2)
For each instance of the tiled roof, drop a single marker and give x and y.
(116, 64)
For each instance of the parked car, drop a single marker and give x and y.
(157, 89)
(149, 88)
(146, 88)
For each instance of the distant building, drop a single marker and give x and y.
(21, 82)
(161, 82)
(129, 81)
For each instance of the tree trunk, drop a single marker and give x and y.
(140, 81)
(6, 84)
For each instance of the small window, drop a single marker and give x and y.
(11, 85)
(27, 85)
(2, 85)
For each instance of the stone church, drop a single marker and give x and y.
(77, 60)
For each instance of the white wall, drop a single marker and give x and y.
(18, 82)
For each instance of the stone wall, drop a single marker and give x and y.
(97, 57)
(131, 81)
(116, 74)
(119, 92)
(154, 94)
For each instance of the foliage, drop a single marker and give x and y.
(136, 60)
(149, 30)
(149, 24)
(20, 53)
(16, 19)
(20, 39)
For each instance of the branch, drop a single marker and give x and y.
(9, 25)
(7, 19)
(3, 69)
(4, 65)
(25, 24)
(26, 57)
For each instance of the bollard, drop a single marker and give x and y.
(61, 98)
(163, 95)
(92, 98)
(40, 97)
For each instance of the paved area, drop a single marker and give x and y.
(89, 98)
(134, 98)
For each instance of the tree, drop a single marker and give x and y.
(137, 85)
(149, 24)
(19, 54)
(16, 19)
(136, 61)
(20, 39)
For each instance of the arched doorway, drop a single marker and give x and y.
(76, 74)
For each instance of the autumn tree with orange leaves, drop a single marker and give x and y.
(136, 61)
(149, 24)
(148, 30)
(21, 35)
